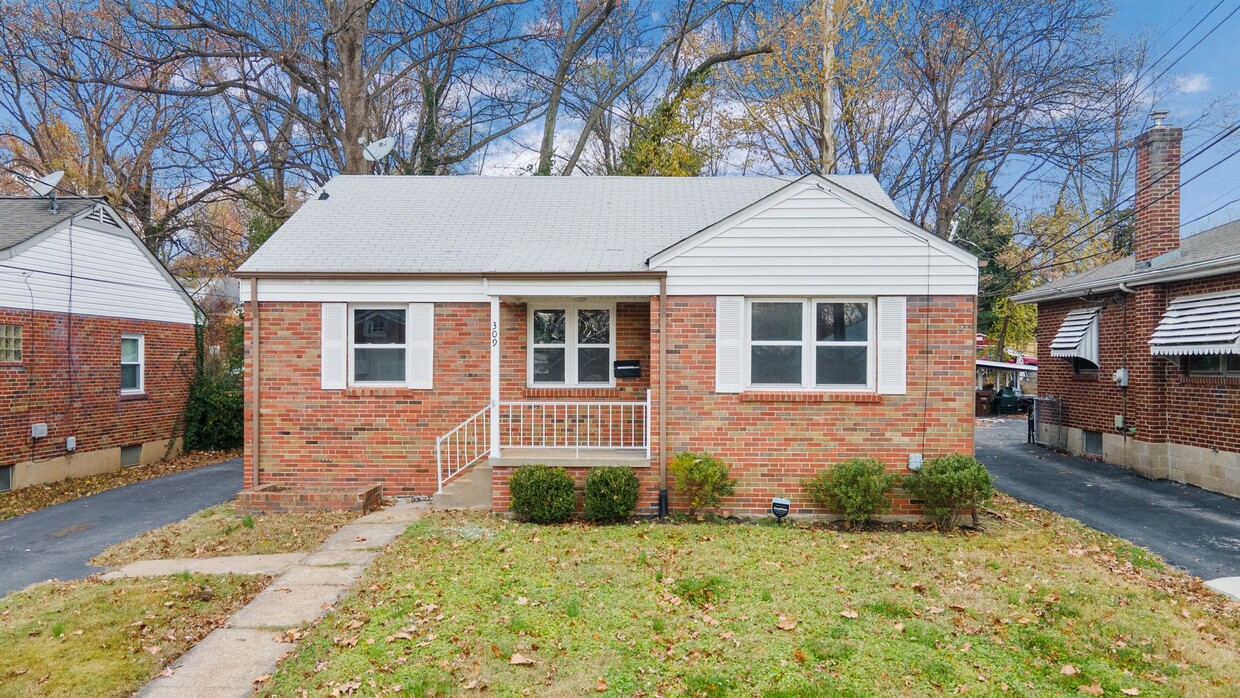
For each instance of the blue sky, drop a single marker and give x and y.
(1207, 78)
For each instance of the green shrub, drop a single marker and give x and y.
(214, 413)
(704, 479)
(950, 486)
(858, 488)
(611, 494)
(542, 494)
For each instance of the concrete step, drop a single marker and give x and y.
(471, 490)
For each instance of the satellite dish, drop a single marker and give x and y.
(45, 184)
(378, 150)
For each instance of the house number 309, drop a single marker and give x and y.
(494, 334)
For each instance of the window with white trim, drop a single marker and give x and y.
(133, 363)
(1214, 365)
(572, 344)
(10, 343)
(377, 346)
(812, 343)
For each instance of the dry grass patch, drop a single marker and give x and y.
(217, 531)
(93, 638)
(1037, 605)
(36, 497)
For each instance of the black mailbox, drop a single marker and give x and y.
(628, 369)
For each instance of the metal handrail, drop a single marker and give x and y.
(575, 425)
(466, 444)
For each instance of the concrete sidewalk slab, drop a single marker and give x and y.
(233, 564)
(226, 662)
(1227, 586)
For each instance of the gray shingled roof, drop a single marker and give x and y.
(509, 224)
(1213, 245)
(22, 218)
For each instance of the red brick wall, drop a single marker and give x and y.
(1157, 223)
(772, 445)
(356, 436)
(1163, 403)
(87, 402)
(314, 436)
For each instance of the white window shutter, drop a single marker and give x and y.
(420, 334)
(334, 338)
(729, 344)
(892, 345)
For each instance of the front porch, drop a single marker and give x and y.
(570, 386)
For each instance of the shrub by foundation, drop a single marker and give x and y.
(542, 494)
(611, 494)
(858, 488)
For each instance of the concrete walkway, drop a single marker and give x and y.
(1191, 528)
(57, 542)
(226, 662)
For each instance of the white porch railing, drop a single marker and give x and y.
(552, 424)
(465, 445)
(575, 426)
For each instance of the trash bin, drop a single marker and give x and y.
(984, 403)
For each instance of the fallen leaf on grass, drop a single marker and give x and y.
(1069, 670)
(899, 627)
(1130, 691)
(1093, 690)
(520, 659)
(849, 613)
(601, 686)
(262, 679)
(785, 623)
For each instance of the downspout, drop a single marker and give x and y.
(254, 353)
(1123, 391)
(663, 503)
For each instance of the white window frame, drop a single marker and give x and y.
(570, 345)
(141, 363)
(351, 355)
(809, 343)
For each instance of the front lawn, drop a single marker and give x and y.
(217, 531)
(1037, 605)
(93, 638)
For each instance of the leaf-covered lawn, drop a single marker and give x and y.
(217, 531)
(28, 499)
(1037, 605)
(96, 639)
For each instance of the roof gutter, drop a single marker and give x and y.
(1213, 267)
(241, 274)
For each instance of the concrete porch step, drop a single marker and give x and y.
(470, 491)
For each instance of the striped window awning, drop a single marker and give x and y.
(1077, 337)
(1199, 325)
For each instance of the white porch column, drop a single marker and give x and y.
(495, 450)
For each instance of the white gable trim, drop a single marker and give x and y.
(803, 184)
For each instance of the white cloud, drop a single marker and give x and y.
(1191, 84)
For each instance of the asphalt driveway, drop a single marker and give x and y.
(56, 542)
(1191, 528)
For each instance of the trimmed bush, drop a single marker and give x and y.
(542, 494)
(611, 494)
(703, 479)
(951, 486)
(858, 488)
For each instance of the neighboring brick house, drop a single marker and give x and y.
(409, 328)
(96, 344)
(1168, 317)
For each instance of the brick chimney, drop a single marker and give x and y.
(1156, 228)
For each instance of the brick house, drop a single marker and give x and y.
(96, 344)
(1169, 318)
(410, 329)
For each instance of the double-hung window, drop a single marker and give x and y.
(133, 364)
(571, 345)
(824, 344)
(377, 346)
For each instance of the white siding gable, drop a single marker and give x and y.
(112, 276)
(807, 240)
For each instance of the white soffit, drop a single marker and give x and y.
(1077, 337)
(1199, 325)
